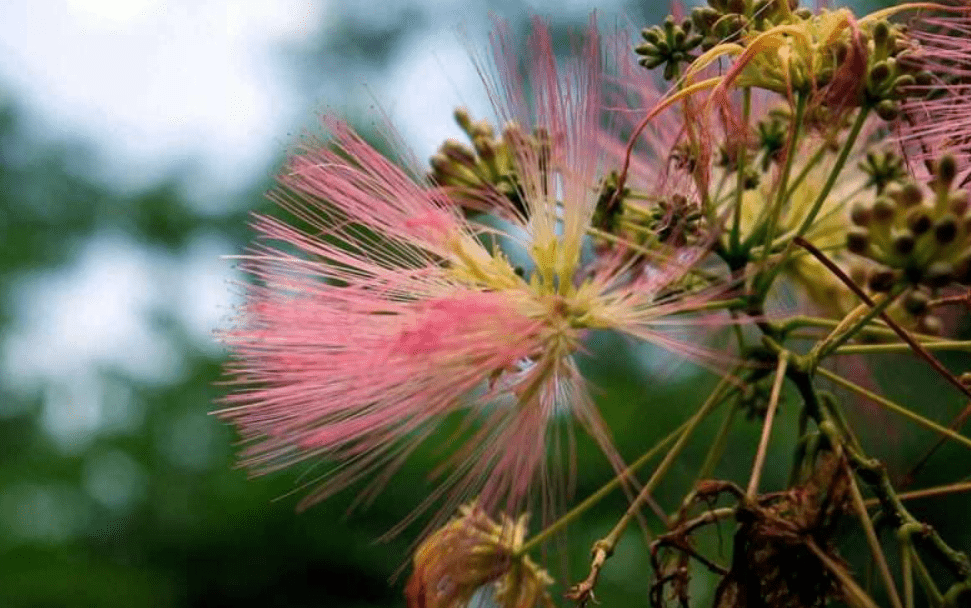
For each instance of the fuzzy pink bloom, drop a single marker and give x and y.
(941, 123)
(383, 314)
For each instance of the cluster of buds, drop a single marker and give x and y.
(726, 20)
(883, 168)
(669, 45)
(488, 165)
(644, 221)
(893, 68)
(924, 242)
(474, 554)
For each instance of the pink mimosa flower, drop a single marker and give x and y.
(940, 123)
(379, 312)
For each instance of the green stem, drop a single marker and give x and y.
(852, 324)
(604, 548)
(601, 493)
(740, 172)
(733, 303)
(951, 488)
(907, 572)
(934, 597)
(718, 446)
(837, 169)
(893, 407)
(805, 171)
(780, 374)
(780, 198)
(902, 347)
(871, 537)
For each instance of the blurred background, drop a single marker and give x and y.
(135, 138)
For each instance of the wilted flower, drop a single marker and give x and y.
(381, 310)
(474, 553)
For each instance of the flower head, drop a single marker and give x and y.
(381, 311)
(473, 552)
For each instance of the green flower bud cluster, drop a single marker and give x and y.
(669, 45)
(728, 160)
(892, 70)
(674, 219)
(727, 20)
(646, 221)
(609, 204)
(488, 165)
(912, 310)
(772, 133)
(883, 168)
(923, 240)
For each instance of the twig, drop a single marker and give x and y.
(871, 536)
(780, 374)
(582, 592)
(893, 407)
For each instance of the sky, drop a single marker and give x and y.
(200, 89)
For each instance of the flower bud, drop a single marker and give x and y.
(887, 110)
(909, 195)
(860, 214)
(881, 33)
(929, 325)
(464, 119)
(858, 241)
(916, 302)
(882, 280)
(879, 72)
(939, 274)
(485, 148)
(919, 221)
(457, 152)
(959, 202)
(962, 269)
(883, 210)
(946, 170)
(946, 229)
(904, 243)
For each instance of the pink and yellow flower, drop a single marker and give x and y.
(378, 310)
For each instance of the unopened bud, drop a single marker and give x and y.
(485, 147)
(881, 32)
(902, 85)
(962, 269)
(860, 214)
(946, 170)
(904, 243)
(857, 241)
(909, 195)
(959, 202)
(945, 229)
(887, 110)
(929, 325)
(916, 303)
(939, 274)
(879, 72)
(965, 379)
(883, 210)
(882, 280)
(457, 152)
(464, 119)
(919, 221)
